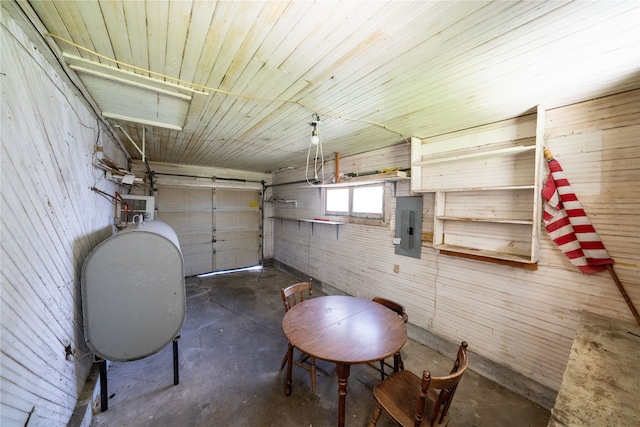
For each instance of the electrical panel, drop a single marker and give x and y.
(408, 226)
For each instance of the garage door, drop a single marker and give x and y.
(218, 229)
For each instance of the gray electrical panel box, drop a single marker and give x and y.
(408, 226)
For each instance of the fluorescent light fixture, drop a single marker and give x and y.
(127, 96)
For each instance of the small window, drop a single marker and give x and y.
(338, 201)
(358, 201)
(368, 200)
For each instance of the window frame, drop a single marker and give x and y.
(326, 200)
(358, 216)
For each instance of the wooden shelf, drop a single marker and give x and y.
(494, 220)
(322, 221)
(282, 201)
(501, 260)
(312, 222)
(478, 154)
(497, 188)
(484, 253)
(366, 180)
(358, 183)
(487, 184)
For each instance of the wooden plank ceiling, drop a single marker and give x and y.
(377, 72)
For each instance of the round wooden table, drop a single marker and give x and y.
(345, 330)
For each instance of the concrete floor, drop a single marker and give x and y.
(230, 353)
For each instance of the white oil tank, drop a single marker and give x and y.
(133, 293)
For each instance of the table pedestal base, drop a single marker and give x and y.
(343, 371)
(287, 384)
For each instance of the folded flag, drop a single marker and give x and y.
(569, 226)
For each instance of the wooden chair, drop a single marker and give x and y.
(397, 358)
(292, 295)
(406, 397)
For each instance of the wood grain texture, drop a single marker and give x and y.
(400, 69)
(50, 221)
(344, 329)
(524, 320)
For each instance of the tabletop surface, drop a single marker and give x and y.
(601, 385)
(344, 329)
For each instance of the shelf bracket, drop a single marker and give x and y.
(337, 230)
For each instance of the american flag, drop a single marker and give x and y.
(569, 226)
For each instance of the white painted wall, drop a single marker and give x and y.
(524, 320)
(51, 220)
(520, 319)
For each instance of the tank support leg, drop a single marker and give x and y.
(104, 404)
(176, 368)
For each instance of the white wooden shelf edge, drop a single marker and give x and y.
(318, 221)
(322, 221)
(357, 183)
(494, 220)
(501, 152)
(281, 201)
(452, 190)
(485, 253)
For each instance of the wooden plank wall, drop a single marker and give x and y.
(518, 319)
(50, 221)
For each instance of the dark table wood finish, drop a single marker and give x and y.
(344, 330)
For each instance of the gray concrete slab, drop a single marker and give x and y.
(230, 353)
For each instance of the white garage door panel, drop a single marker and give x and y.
(237, 200)
(234, 240)
(199, 248)
(197, 264)
(217, 229)
(237, 220)
(236, 259)
(194, 238)
(233, 248)
(237, 231)
(189, 222)
(173, 198)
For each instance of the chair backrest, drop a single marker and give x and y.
(294, 294)
(398, 308)
(446, 385)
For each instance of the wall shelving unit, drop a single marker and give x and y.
(312, 222)
(394, 178)
(283, 202)
(487, 185)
